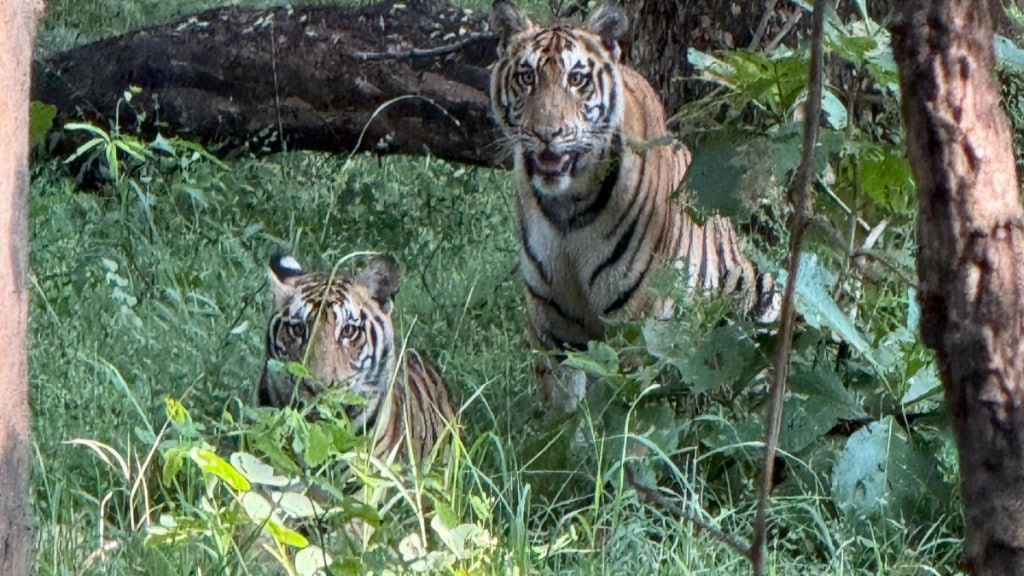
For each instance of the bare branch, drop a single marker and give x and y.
(769, 11)
(424, 52)
(801, 191)
(676, 509)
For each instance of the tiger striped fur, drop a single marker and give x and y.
(595, 172)
(341, 330)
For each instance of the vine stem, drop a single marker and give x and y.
(801, 185)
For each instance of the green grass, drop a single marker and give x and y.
(155, 289)
(165, 297)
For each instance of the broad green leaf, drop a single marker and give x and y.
(604, 353)
(198, 149)
(261, 511)
(458, 538)
(311, 560)
(257, 507)
(275, 366)
(880, 473)
(82, 127)
(820, 310)
(285, 535)
(40, 119)
(210, 462)
(707, 362)
(161, 144)
(132, 149)
(587, 364)
(83, 149)
(297, 505)
(835, 111)
(923, 385)
(446, 515)
(702, 61)
(176, 412)
(817, 402)
(1008, 53)
(852, 48)
(256, 471)
(714, 175)
(112, 163)
(317, 446)
(886, 178)
(654, 421)
(297, 369)
(174, 458)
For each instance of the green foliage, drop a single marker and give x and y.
(40, 119)
(880, 472)
(146, 340)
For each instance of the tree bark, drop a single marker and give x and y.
(969, 260)
(17, 35)
(294, 78)
(663, 30)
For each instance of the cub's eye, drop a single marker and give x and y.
(526, 76)
(349, 331)
(578, 78)
(295, 331)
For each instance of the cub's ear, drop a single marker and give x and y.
(610, 23)
(281, 275)
(506, 20)
(380, 277)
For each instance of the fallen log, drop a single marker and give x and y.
(391, 77)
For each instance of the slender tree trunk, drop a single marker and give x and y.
(17, 35)
(969, 260)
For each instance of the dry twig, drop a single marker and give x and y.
(801, 189)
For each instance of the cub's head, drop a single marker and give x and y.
(556, 92)
(338, 327)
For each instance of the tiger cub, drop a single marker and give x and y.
(595, 173)
(340, 328)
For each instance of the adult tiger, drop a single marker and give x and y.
(341, 329)
(595, 173)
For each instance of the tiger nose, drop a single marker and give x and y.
(548, 134)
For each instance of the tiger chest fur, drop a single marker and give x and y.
(587, 249)
(595, 175)
(593, 191)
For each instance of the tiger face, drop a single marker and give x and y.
(338, 327)
(553, 92)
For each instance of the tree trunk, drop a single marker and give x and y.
(294, 78)
(663, 31)
(17, 35)
(969, 260)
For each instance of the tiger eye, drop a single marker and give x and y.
(349, 331)
(578, 79)
(526, 77)
(296, 331)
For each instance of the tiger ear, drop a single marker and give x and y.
(380, 277)
(610, 23)
(281, 275)
(507, 21)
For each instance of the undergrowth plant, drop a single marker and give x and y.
(147, 330)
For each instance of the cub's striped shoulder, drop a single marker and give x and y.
(340, 328)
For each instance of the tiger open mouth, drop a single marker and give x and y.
(549, 164)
